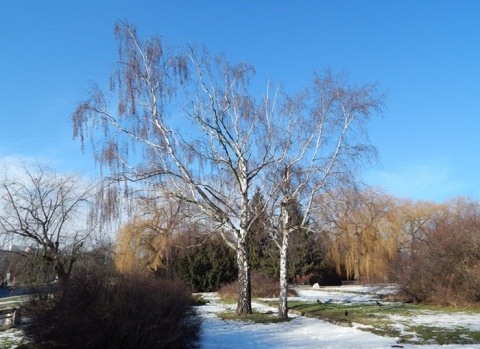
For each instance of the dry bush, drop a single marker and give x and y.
(445, 281)
(262, 287)
(444, 265)
(229, 291)
(97, 311)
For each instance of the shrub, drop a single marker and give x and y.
(98, 311)
(443, 265)
(262, 287)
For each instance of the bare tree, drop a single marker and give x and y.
(205, 146)
(326, 146)
(48, 213)
(204, 137)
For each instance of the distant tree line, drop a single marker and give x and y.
(367, 236)
(429, 249)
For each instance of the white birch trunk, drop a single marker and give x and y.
(283, 297)
(244, 305)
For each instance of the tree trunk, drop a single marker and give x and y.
(244, 305)
(285, 222)
(283, 298)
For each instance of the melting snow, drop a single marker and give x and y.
(304, 333)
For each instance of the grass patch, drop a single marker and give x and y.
(199, 300)
(12, 341)
(391, 320)
(443, 336)
(474, 309)
(256, 317)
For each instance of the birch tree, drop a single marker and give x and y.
(327, 144)
(186, 121)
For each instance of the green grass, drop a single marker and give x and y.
(257, 317)
(443, 336)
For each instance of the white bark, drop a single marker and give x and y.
(285, 230)
(244, 303)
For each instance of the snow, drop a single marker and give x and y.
(303, 332)
(13, 337)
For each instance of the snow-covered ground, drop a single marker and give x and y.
(11, 339)
(304, 332)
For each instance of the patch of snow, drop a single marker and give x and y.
(334, 295)
(13, 335)
(300, 332)
(308, 333)
(438, 319)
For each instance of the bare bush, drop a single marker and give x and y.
(101, 311)
(443, 266)
(262, 287)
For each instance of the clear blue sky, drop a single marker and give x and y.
(425, 54)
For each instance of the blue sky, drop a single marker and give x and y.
(425, 55)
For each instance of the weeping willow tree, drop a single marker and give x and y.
(144, 242)
(363, 237)
(139, 247)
